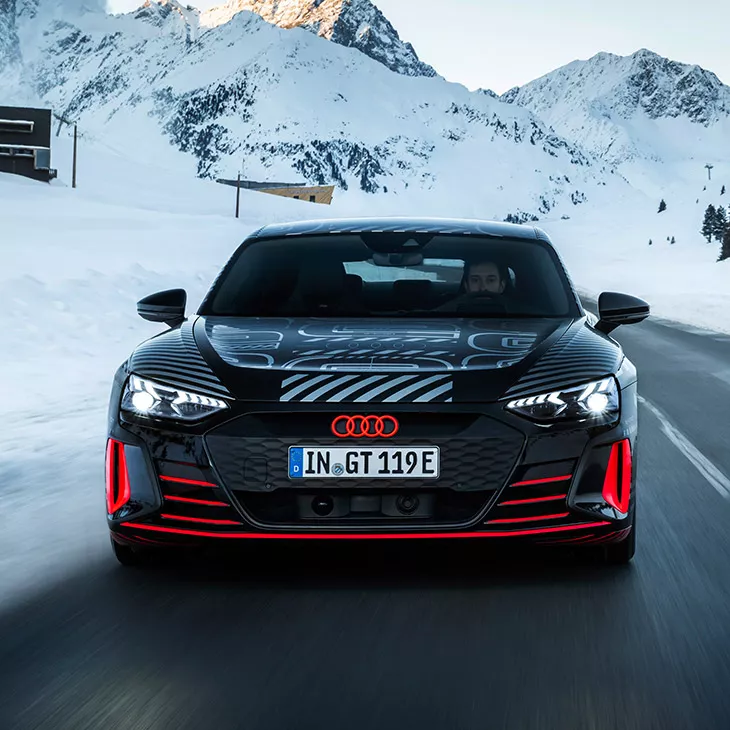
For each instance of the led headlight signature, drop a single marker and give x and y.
(143, 397)
(597, 402)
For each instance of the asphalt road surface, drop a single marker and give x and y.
(394, 636)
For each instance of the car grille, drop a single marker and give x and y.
(478, 455)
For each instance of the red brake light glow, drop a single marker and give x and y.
(118, 491)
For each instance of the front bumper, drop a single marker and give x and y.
(191, 485)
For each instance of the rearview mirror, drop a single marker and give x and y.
(164, 306)
(409, 258)
(615, 309)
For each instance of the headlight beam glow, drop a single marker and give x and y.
(147, 398)
(597, 402)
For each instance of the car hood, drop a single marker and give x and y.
(374, 345)
(370, 361)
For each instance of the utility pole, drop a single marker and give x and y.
(238, 195)
(61, 122)
(709, 171)
(73, 176)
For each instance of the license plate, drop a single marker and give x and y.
(385, 462)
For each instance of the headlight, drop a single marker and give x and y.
(144, 397)
(597, 402)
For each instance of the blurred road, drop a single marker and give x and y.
(403, 636)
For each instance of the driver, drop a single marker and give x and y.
(484, 277)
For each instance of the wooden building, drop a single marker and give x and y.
(321, 194)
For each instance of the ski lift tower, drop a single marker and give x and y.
(709, 170)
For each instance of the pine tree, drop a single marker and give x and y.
(722, 192)
(720, 224)
(650, 241)
(672, 241)
(725, 248)
(708, 224)
(662, 206)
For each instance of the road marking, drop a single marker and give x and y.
(703, 465)
(724, 376)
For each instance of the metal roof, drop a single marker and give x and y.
(453, 226)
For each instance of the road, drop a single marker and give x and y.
(409, 636)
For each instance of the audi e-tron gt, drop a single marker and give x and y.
(379, 379)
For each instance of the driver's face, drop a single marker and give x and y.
(484, 277)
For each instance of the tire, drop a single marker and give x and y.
(128, 556)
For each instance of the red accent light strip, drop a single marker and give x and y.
(190, 500)
(547, 480)
(364, 536)
(617, 482)
(118, 488)
(580, 539)
(529, 519)
(626, 473)
(180, 480)
(200, 519)
(110, 450)
(532, 501)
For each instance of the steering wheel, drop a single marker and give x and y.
(483, 302)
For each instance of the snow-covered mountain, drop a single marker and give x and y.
(630, 110)
(352, 23)
(287, 104)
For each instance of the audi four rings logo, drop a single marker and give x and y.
(365, 426)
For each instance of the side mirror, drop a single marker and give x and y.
(164, 306)
(615, 309)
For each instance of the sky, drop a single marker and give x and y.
(497, 45)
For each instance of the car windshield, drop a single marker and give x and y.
(386, 275)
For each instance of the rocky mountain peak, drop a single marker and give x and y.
(665, 88)
(161, 12)
(352, 23)
(623, 108)
(623, 86)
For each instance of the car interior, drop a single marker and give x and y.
(321, 283)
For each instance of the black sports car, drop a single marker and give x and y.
(378, 379)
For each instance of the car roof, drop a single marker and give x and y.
(453, 226)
